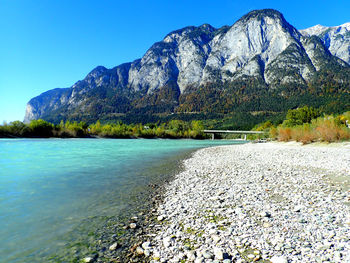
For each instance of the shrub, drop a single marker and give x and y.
(304, 133)
(273, 133)
(284, 134)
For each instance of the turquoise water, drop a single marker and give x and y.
(49, 187)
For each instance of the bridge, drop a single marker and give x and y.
(212, 132)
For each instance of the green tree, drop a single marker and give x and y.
(41, 128)
(300, 116)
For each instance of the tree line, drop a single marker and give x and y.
(43, 129)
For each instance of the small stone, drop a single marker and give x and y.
(190, 255)
(160, 218)
(265, 214)
(251, 256)
(278, 259)
(180, 256)
(146, 245)
(88, 259)
(156, 255)
(302, 220)
(139, 251)
(257, 258)
(207, 255)
(278, 246)
(218, 253)
(147, 252)
(113, 246)
(298, 208)
(266, 225)
(213, 232)
(215, 238)
(167, 241)
(132, 225)
(187, 247)
(227, 261)
(331, 218)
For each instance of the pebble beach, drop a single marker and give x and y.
(266, 202)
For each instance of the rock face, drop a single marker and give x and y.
(336, 39)
(261, 50)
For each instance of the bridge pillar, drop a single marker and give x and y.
(245, 137)
(213, 136)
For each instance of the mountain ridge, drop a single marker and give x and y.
(260, 48)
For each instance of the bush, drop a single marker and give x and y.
(326, 129)
(284, 134)
(304, 133)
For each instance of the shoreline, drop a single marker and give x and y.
(277, 202)
(121, 247)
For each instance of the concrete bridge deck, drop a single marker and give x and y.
(234, 132)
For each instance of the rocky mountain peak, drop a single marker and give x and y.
(190, 32)
(207, 27)
(96, 72)
(262, 14)
(346, 25)
(336, 39)
(314, 30)
(250, 45)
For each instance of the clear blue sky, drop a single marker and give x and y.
(47, 44)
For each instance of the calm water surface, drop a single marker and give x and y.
(49, 187)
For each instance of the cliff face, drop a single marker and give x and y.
(336, 39)
(260, 51)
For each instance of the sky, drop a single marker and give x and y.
(47, 44)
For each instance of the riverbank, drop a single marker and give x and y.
(262, 202)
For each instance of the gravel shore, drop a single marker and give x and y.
(268, 202)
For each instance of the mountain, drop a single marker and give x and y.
(336, 39)
(259, 64)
